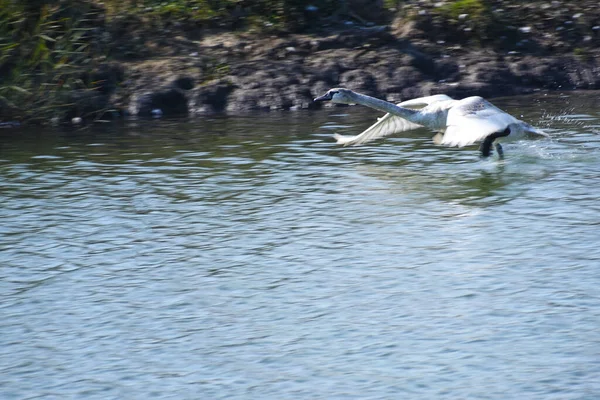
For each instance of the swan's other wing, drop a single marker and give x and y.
(385, 126)
(472, 120)
(424, 101)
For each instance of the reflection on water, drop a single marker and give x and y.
(251, 257)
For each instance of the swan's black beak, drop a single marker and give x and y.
(326, 97)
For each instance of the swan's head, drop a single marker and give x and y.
(338, 95)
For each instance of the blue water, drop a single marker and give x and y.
(252, 258)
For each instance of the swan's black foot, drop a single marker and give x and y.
(499, 150)
(486, 145)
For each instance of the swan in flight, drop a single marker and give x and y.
(458, 122)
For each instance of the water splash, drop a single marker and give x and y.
(568, 119)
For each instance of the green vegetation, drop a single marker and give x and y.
(230, 14)
(474, 8)
(45, 53)
(470, 19)
(583, 53)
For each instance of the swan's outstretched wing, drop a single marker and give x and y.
(390, 124)
(472, 120)
(385, 126)
(424, 101)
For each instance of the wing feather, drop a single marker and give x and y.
(390, 124)
(385, 126)
(472, 120)
(425, 101)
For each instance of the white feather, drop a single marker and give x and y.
(460, 122)
(385, 126)
(472, 119)
(425, 101)
(390, 124)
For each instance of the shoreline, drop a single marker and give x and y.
(178, 71)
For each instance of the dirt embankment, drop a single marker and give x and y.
(457, 48)
(550, 46)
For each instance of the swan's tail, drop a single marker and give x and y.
(536, 131)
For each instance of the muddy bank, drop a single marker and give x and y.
(428, 48)
(460, 48)
(287, 73)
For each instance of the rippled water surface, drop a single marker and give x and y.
(252, 258)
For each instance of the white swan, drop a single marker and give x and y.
(460, 122)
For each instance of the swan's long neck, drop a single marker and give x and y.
(382, 105)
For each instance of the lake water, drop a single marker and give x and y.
(252, 258)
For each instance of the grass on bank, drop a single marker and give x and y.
(45, 54)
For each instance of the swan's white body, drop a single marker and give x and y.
(460, 122)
